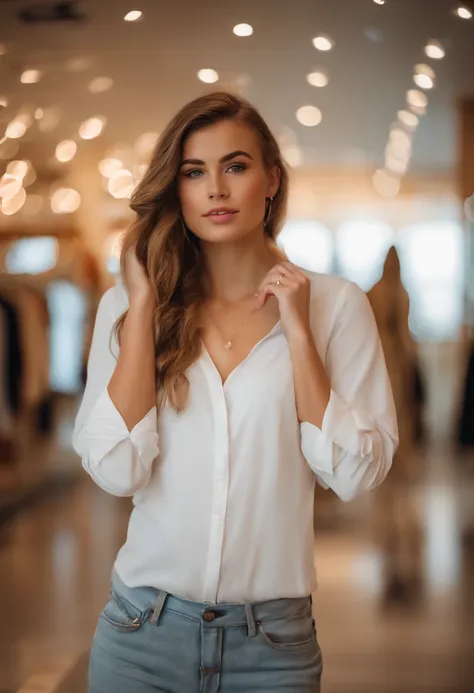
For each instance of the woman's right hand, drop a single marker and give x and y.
(136, 279)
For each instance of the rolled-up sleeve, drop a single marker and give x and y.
(118, 460)
(353, 450)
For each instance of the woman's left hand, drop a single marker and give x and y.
(292, 289)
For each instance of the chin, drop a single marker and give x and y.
(224, 233)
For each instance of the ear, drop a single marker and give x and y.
(273, 181)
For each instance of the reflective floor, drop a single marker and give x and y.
(56, 558)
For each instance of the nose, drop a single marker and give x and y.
(218, 189)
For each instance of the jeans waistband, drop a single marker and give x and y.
(210, 615)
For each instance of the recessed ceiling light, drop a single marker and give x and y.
(243, 30)
(410, 120)
(65, 201)
(101, 84)
(92, 128)
(464, 12)
(435, 50)
(208, 76)
(133, 16)
(318, 78)
(66, 151)
(423, 81)
(310, 116)
(15, 130)
(30, 76)
(323, 43)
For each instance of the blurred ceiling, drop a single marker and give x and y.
(153, 63)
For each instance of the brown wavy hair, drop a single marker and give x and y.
(170, 253)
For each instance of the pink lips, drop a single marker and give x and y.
(221, 215)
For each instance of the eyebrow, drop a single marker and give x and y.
(223, 160)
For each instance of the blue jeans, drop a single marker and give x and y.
(148, 641)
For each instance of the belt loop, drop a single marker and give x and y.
(252, 628)
(160, 602)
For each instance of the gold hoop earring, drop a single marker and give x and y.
(268, 212)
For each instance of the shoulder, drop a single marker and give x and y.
(336, 300)
(334, 291)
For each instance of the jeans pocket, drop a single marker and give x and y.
(122, 615)
(290, 634)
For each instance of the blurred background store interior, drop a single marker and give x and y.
(372, 102)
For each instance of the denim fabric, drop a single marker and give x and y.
(148, 641)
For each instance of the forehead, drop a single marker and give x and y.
(217, 140)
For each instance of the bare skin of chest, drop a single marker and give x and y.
(230, 332)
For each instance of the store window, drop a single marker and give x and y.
(307, 244)
(32, 255)
(431, 255)
(361, 248)
(67, 309)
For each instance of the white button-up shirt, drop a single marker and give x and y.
(223, 493)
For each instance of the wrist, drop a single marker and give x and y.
(301, 337)
(142, 302)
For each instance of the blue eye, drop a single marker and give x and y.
(190, 174)
(237, 168)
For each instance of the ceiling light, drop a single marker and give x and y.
(92, 128)
(101, 84)
(435, 50)
(208, 76)
(15, 130)
(133, 16)
(31, 77)
(293, 155)
(318, 78)
(122, 184)
(464, 12)
(65, 201)
(109, 167)
(395, 165)
(417, 99)
(422, 69)
(379, 2)
(410, 120)
(323, 43)
(12, 205)
(18, 169)
(9, 185)
(65, 151)
(243, 30)
(309, 116)
(386, 184)
(423, 81)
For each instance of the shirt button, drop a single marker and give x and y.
(209, 615)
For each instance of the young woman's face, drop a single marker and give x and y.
(223, 182)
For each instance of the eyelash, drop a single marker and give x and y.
(189, 174)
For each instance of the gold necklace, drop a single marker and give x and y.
(228, 344)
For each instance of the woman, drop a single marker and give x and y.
(240, 381)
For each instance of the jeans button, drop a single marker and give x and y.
(209, 616)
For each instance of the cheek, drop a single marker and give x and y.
(189, 198)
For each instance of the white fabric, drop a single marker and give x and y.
(224, 492)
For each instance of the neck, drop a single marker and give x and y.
(234, 271)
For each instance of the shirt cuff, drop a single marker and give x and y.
(106, 428)
(342, 427)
